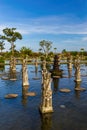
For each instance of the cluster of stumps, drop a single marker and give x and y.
(46, 98)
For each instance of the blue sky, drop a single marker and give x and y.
(63, 22)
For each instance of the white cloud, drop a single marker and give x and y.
(70, 41)
(48, 25)
(53, 25)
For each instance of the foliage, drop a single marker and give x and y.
(35, 54)
(55, 49)
(2, 60)
(56, 73)
(82, 49)
(45, 47)
(2, 45)
(64, 51)
(48, 59)
(10, 35)
(25, 51)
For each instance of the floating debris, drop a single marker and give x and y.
(62, 106)
(36, 78)
(65, 90)
(14, 79)
(11, 95)
(5, 77)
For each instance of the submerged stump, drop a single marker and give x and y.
(56, 71)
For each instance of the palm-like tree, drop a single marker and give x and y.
(82, 50)
(55, 49)
(10, 35)
(25, 51)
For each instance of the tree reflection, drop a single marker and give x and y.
(77, 92)
(78, 88)
(46, 121)
(55, 84)
(36, 71)
(12, 75)
(24, 95)
(70, 73)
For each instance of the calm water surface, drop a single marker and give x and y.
(21, 113)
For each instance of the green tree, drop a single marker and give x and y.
(45, 47)
(55, 49)
(10, 35)
(25, 51)
(82, 50)
(64, 51)
(2, 46)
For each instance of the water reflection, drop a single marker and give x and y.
(24, 96)
(77, 92)
(46, 120)
(73, 116)
(36, 71)
(70, 73)
(55, 84)
(2, 68)
(12, 74)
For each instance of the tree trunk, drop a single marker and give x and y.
(12, 48)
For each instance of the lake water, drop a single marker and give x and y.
(21, 113)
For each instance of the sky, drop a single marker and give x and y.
(63, 22)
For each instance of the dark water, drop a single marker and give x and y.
(22, 113)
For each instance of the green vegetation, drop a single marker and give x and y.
(45, 47)
(11, 35)
(24, 51)
(2, 62)
(2, 45)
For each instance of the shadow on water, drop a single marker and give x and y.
(79, 89)
(55, 84)
(70, 73)
(77, 93)
(46, 121)
(24, 96)
(36, 71)
(2, 68)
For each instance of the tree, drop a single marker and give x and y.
(82, 50)
(45, 47)
(13, 48)
(10, 35)
(64, 51)
(2, 46)
(25, 51)
(55, 49)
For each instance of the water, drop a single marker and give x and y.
(70, 109)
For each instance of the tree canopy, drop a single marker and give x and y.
(2, 45)
(45, 47)
(25, 51)
(10, 35)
